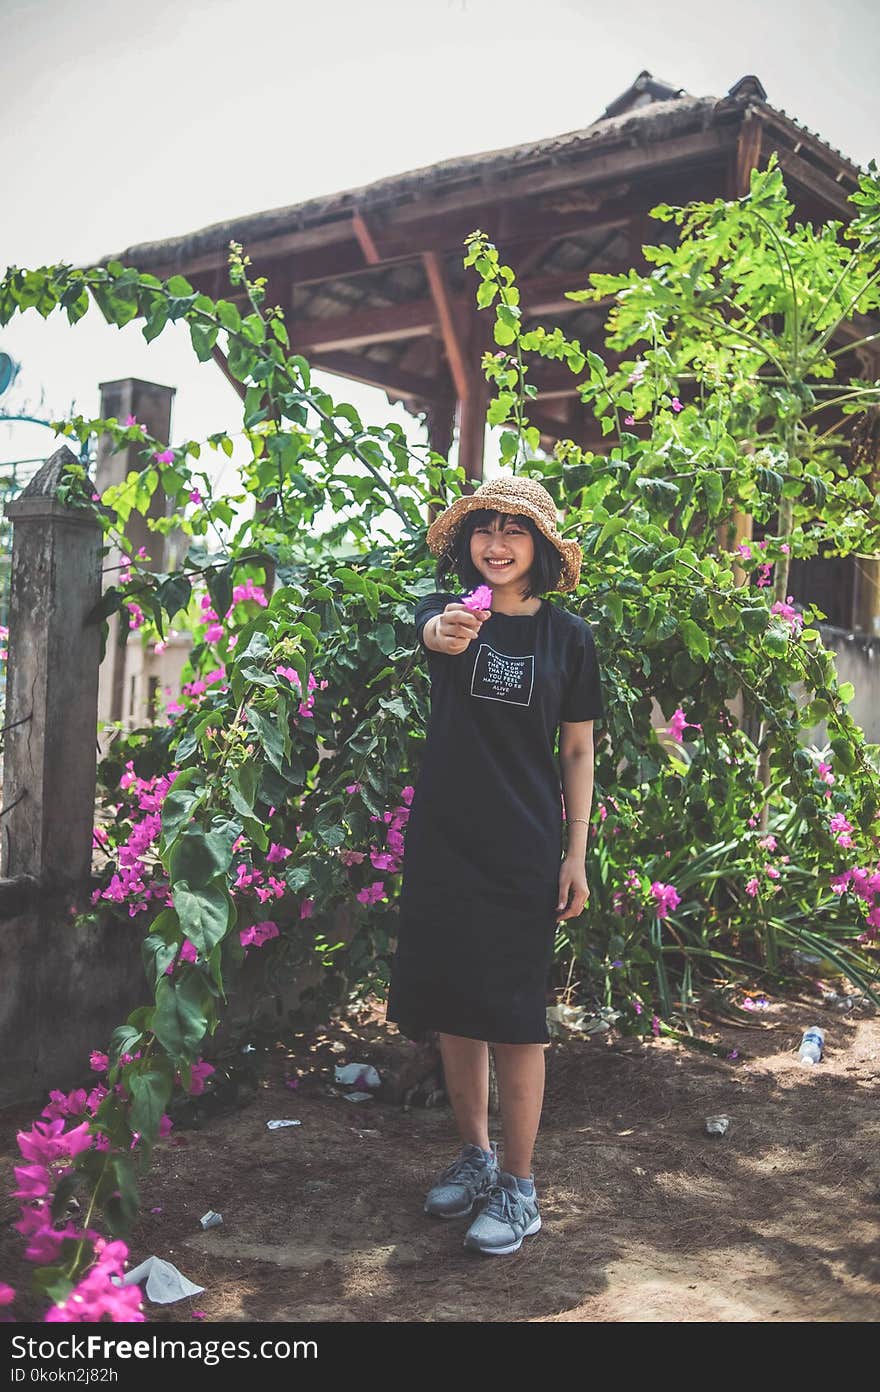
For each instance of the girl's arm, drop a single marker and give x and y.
(576, 757)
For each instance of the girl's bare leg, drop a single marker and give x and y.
(466, 1069)
(520, 1069)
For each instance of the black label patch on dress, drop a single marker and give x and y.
(503, 677)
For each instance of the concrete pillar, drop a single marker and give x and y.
(52, 689)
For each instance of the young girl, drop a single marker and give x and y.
(484, 884)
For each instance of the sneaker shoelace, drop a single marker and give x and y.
(505, 1205)
(465, 1168)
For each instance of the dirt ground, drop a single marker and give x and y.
(645, 1216)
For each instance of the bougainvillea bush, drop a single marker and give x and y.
(273, 792)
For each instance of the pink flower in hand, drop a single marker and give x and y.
(480, 598)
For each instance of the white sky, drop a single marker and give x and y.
(123, 123)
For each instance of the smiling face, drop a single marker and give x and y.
(511, 544)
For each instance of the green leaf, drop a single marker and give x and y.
(122, 1208)
(695, 638)
(178, 286)
(269, 735)
(228, 315)
(124, 1040)
(243, 788)
(219, 582)
(199, 856)
(755, 618)
(844, 752)
(150, 1091)
(203, 337)
(177, 810)
(776, 639)
(204, 914)
(713, 488)
(174, 594)
(180, 1020)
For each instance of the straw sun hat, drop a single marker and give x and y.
(513, 494)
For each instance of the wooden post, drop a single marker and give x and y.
(472, 408)
(52, 692)
(440, 423)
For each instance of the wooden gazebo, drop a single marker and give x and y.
(372, 283)
(373, 288)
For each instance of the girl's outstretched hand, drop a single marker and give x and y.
(573, 884)
(458, 626)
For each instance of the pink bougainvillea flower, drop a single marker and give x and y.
(841, 829)
(629, 420)
(824, 772)
(371, 894)
(752, 886)
(655, 1025)
(258, 933)
(637, 1007)
(676, 405)
(164, 456)
(34, 1181)
(130, 421)
(195, 496)
(480, 598)
(7, 1294)
(785, 547)
(277, 853)
(666, 897)
(99, 1063)
(678, 724)
(213, 633)
(789, 613)
(200, 1072)
(248, 591)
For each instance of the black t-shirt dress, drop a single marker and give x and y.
(483, 842)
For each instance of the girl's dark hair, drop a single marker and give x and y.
(546, 568)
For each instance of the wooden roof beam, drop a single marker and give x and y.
(414, 318)
(385, 376)
(443, 304)
(364, 236)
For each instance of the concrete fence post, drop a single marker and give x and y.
(52, 690)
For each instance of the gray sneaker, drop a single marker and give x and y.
(463, 1182)
(505, 1218)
